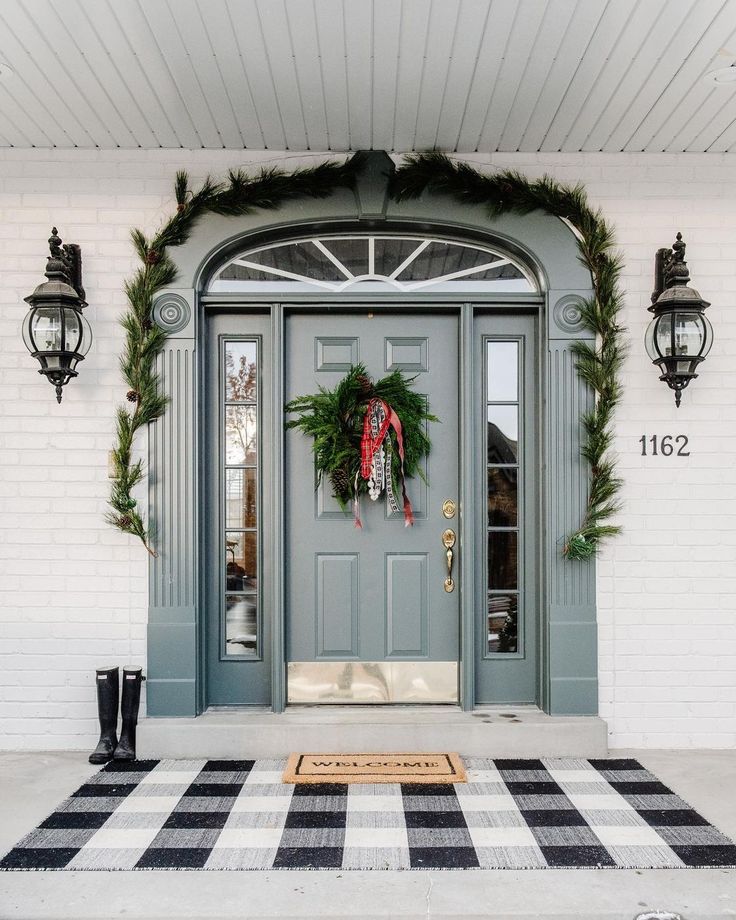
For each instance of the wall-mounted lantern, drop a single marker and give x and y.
(54, 330)
(680, 336)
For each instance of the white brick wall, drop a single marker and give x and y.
(73, 591)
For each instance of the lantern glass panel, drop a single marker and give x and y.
(689, 333)
(72, 330)
(46, 329)
(649, 339)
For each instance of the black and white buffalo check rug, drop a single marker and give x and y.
(511, 814)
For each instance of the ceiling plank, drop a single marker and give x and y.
(275, 36)
(18, 126)
(609, 28)
(553, 88)
(495, 38)
(414, 33)
(557, 23)
(139, 36)
(331, 31)
(193, 26)
(127, 79)
(302, 24)
(443, 23)
(358, 19)
(76, 43)
(43, 93)
(647, 79)
(231, 72)
(726, 142)
(94, 73)
(386, 39)
(247, 33)
(607, 89)
(471, 27)
(164, 25)
(675, 103)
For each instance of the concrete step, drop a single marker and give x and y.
(493, 732)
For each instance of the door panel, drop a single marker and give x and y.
(375, 594)
(237, 578)
(508, 491)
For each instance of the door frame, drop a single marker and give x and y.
(568, 634)
(273, 505)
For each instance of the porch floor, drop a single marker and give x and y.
(493, 732)
(33, 784)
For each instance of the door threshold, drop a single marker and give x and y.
(253, 733)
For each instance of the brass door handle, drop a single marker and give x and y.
(448, 541)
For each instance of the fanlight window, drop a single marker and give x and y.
(372, 263)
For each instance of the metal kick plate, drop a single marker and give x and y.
(368, 682)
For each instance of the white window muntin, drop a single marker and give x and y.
(462, 280)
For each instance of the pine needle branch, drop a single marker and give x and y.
(599, 362)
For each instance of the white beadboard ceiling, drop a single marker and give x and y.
(460, 75)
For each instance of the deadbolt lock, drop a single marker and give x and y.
(449, 508)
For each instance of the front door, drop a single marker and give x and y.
(368, 616)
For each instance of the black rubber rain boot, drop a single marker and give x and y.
(108, 695)
(132, 680)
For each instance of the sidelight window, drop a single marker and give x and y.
(240, 400)
(502, 376)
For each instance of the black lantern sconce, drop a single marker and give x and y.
(680, 335)
(54, 330)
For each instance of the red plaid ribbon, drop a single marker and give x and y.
(370, 444)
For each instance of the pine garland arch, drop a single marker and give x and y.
(598, 364)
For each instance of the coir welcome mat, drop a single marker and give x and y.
(512, 814)
(374, 768)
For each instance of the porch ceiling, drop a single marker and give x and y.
(462, 75)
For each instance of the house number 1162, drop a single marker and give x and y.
(667, 445)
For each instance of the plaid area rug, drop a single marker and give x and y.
(512, 814)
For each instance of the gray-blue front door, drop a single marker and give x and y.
(368, 615)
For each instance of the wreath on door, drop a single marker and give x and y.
(369, 437)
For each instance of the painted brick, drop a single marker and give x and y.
(667, 591)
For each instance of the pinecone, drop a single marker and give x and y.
(340, 479)
(152, 257)
(125, 521)
(132, 396)
(365, 384)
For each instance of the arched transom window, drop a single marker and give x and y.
(372, 263)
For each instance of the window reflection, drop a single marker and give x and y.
(502, 559)
(503, 616)
(241, 435)
(242, 563)
(241, 624)
(503, 434)
(503, 371)
(241, 498)
(241, 371)
(503, 406)
(502, 496)
(240, 395)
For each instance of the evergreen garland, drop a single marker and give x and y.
(334, 419)
(240, 194)
(598, 364)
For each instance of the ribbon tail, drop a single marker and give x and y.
(408, 510)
